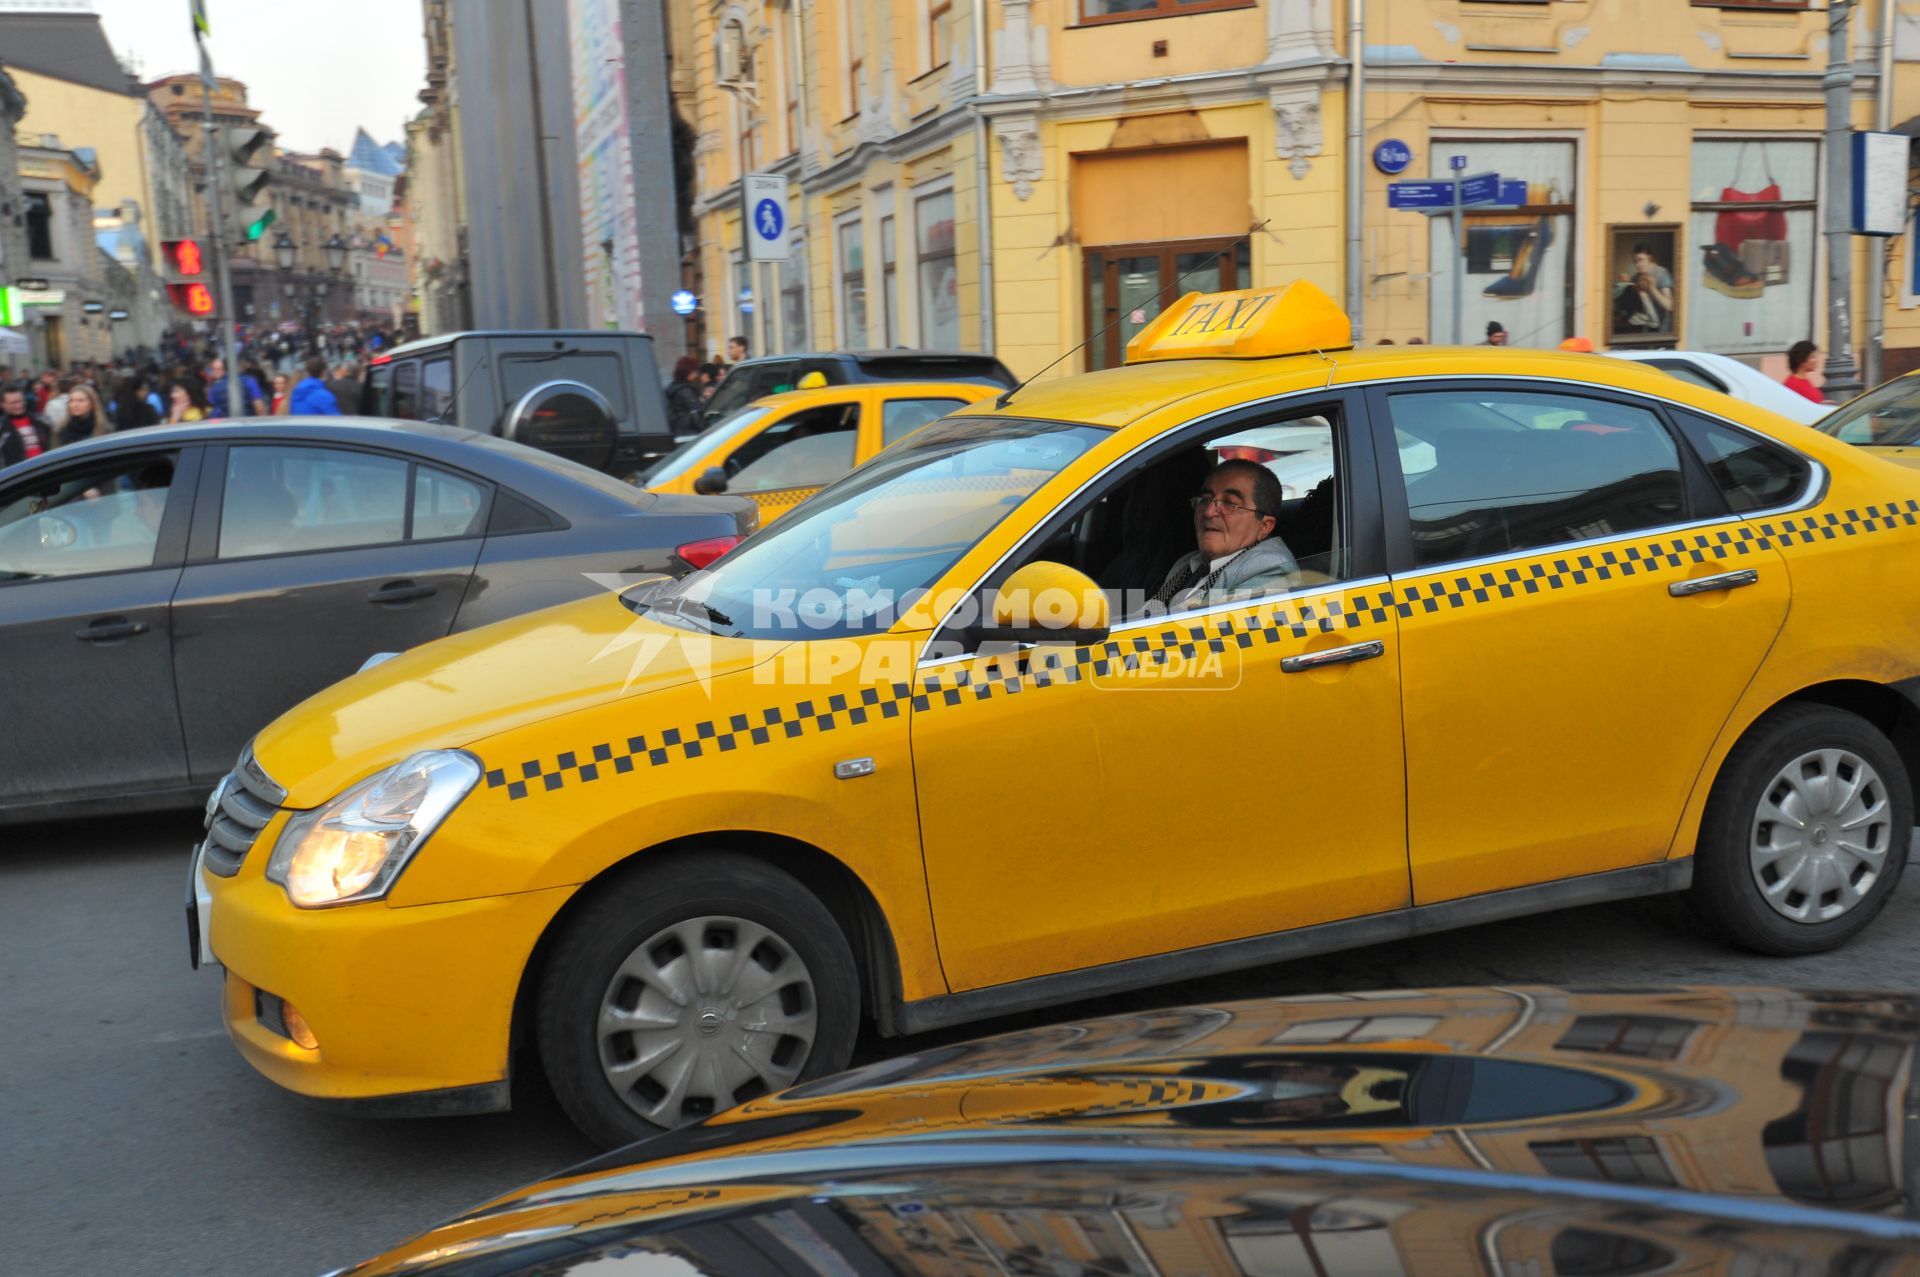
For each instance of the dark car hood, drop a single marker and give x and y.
(1554, 1131)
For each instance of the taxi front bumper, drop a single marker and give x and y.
(411, 1009)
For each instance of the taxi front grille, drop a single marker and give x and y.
(239, 809)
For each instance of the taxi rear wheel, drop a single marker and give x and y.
(1805, 834)
(691, 986)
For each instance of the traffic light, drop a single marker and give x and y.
(182, 256)
(241, 143)
(194, 299)
(258, 226)
(185, 262)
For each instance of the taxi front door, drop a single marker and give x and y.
(1194, 780)
(1579, 615)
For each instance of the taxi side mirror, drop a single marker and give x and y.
(712, 482)
(1047, 602)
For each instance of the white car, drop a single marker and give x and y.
(1730, 377)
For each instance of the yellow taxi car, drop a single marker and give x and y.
(783, 448)
(959, 738)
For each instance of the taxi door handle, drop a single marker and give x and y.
(1332, 656)
(1708, 584)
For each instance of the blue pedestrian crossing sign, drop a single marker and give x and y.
(763, 215)
(683, 302)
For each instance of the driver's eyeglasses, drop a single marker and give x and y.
(1227, 507)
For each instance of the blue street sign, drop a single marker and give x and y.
(768, 220)
(746, 301)
(1421, 195)
(1481, 188)
(1513, 192)
(1456, 162)
(683, 302)
(1392, 156)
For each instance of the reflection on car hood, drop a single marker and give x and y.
(460, 689)
(1529, 1130)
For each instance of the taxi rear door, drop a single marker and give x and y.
(1578, 614)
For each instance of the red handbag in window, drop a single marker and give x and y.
(1735, 227)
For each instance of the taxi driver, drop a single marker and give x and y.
(1233, 526)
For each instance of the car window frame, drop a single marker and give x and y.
(883, 401)
(204, 544)
(1355, 444)
(1705, 504)
(170, 545)
(862, 416)
(1713, 380)
(1813, 480)
(412, 367)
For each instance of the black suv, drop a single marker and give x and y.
(750, 379)
(591, 396)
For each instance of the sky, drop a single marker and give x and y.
(314, 71)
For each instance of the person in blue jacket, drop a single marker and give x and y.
(311, 398)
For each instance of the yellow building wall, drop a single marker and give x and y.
(86, 117)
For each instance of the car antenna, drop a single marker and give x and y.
(1007, 395)
(440, 418)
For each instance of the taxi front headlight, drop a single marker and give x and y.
(355, 846)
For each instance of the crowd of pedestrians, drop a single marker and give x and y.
(43, 409)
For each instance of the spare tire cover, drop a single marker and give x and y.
(567, 418)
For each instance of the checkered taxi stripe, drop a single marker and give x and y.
(962, 683)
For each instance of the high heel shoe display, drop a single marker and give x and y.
(1519, 281)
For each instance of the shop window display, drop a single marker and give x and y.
(1517, 258)
(1753, 234)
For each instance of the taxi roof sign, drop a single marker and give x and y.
(1253, 323)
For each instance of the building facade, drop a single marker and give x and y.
(138, 307)
(13, 204)
(1045, 200)
(64, 272)
(435, 192)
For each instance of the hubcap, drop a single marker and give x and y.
(1821, 835)
(707, 1014)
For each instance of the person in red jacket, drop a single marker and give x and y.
(1803, 357)
(23, 434)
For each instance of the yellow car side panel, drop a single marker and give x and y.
(1845, 622)
(391, 979)
(1558, 706)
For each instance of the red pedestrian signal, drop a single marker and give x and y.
(194, 299)
(183, 256)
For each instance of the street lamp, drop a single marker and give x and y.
(283, 250)
(336, 249)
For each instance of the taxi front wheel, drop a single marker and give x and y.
(689, 986)
(1805, 834)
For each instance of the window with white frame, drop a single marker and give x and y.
(851, 233)
(937, 276)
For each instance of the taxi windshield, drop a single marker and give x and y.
(858, 554)
(1884, 417)
(677, 462)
